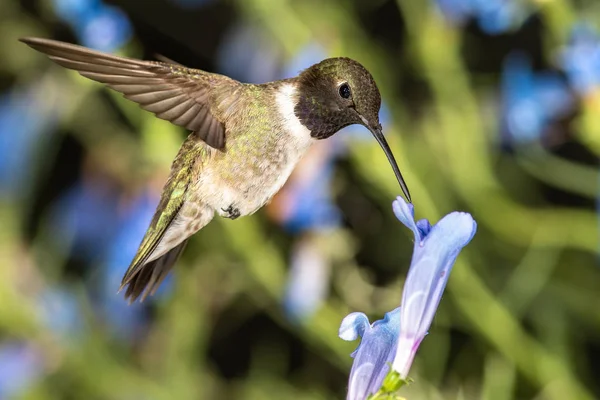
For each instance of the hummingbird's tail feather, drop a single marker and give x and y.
(148, 278)
(178, 216)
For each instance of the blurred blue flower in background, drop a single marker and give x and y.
(96, 24)
(20, 366)
(103, 232)
(493, 16)
(74, 10)
(106, 30)
(86, 216)
(531, 101)
(311, 53)
(126, 320)
(60, 312)
(308, 279)
(26, 114)
(309, 203)
(398, 336)
(248, 54)
(307, 209)
(581, 59)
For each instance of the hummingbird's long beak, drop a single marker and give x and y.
(390, 156)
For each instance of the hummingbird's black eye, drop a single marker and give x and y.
(345, 91)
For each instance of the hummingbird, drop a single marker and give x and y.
(245, 138)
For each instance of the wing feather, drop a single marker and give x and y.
(175, 93)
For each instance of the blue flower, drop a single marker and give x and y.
(73, 11)
(309, 204)
(60, 312)
(375, 352)
(21, 365)
(107, 29)
(308, 279)
(435, 251)
(85, 217)
(581, 59)
(531, 101)
(493, 16)
(26, 115)
(127, 321)
(247, 55)
(97, 25)
(305, 207)
(396, 338)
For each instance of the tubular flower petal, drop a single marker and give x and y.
(395, 339)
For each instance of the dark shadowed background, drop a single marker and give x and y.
(491, 107)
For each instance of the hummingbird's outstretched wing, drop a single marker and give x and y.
(175, 93)
(148, 269)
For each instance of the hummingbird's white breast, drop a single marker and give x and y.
(261, 163)
(296, 136)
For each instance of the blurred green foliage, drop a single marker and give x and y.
(520, 318)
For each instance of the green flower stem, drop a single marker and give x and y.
(392, 383)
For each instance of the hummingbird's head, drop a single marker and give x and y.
(335, 93)
(338, 92)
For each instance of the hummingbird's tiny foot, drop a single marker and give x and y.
(231, 212)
